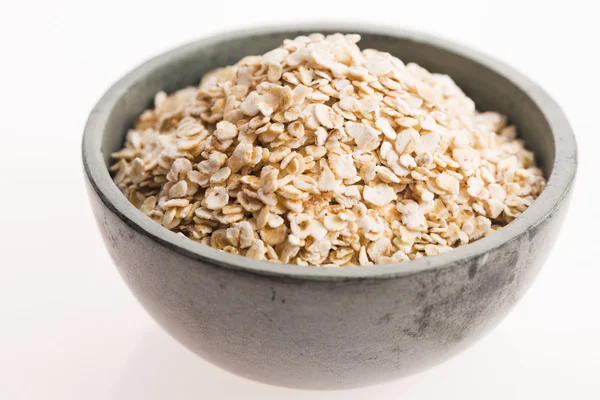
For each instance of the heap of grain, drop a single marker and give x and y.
(318, 153)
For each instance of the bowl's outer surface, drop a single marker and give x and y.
(332, 329)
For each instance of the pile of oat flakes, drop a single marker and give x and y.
(318, 153)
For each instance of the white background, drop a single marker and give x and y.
(70, 329)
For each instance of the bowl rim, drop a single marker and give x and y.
(557, 189)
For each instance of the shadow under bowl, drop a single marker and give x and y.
(329, 328)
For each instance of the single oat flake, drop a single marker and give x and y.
(318, 153)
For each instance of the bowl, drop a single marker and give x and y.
(329, 328)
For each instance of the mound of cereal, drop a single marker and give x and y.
(318, 153)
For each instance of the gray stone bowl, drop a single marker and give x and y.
(324, 328)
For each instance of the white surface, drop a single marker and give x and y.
(70, 329)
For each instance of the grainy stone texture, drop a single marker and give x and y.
(329, 328)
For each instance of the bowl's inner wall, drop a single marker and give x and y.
(488, 89)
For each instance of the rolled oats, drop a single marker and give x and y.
(316, 153)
